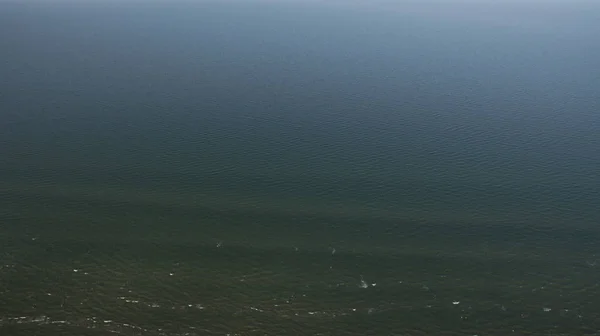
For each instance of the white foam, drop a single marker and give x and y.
(363, 283)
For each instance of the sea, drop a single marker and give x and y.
(262, 167)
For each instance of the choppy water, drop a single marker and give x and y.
(299, 169)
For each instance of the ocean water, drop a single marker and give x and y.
(299, 168)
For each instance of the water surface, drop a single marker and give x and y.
(299, 168)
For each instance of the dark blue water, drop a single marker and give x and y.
(299, 168)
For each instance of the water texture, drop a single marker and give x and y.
(299, 168)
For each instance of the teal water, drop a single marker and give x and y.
(299, 169)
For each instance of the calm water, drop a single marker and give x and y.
(299, 168)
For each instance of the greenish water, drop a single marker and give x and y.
(299, 169)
